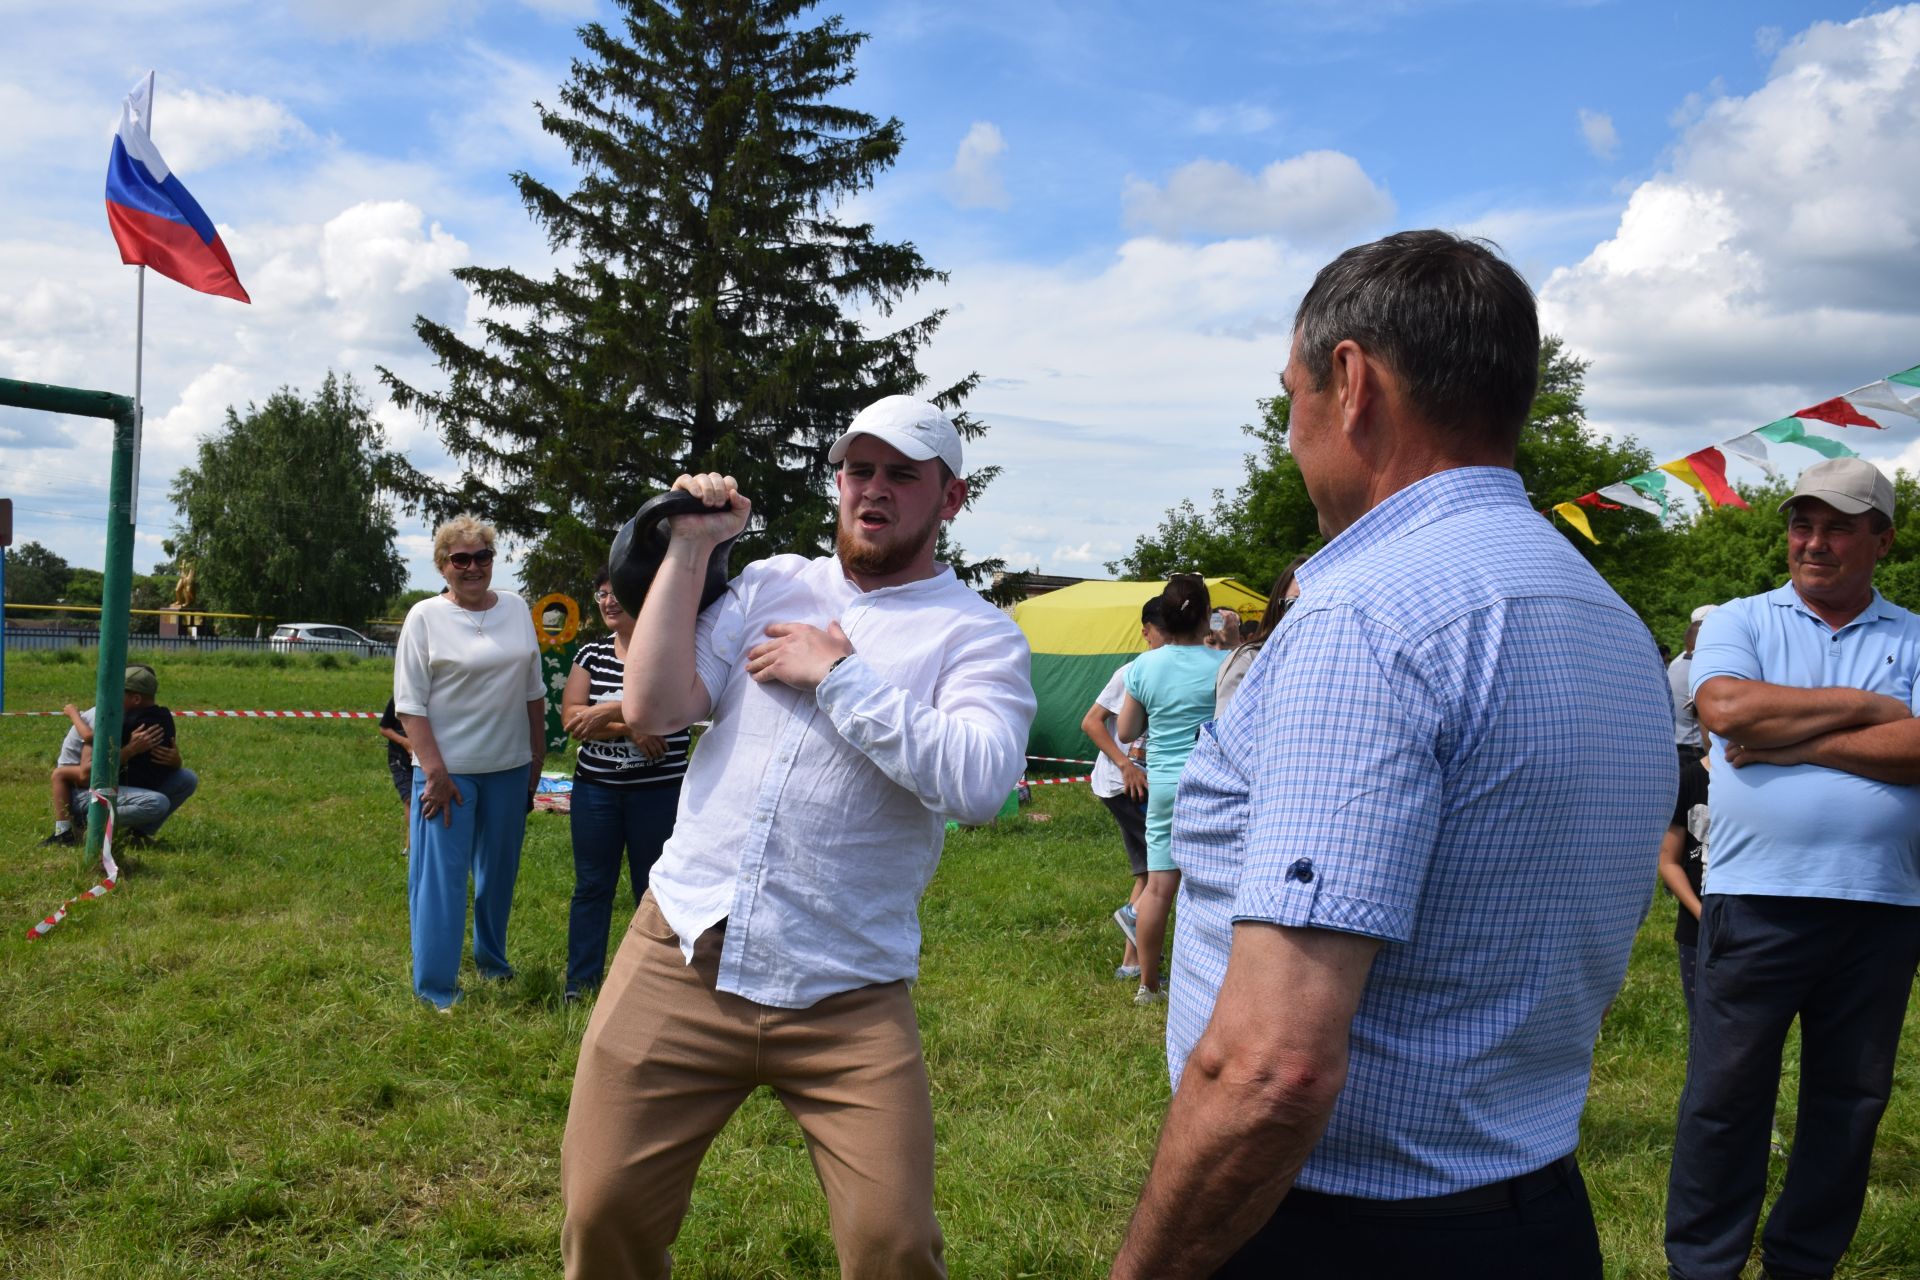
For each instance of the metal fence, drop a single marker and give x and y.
(21, 639)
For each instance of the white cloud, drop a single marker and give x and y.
(1597, 128)
(200, 130)
(1773, 264)
(1314, 197)
(975, 181)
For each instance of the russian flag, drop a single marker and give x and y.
(155, 222)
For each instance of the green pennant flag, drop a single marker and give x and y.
(1654, 485)
(1911, 377)
(1792, 431)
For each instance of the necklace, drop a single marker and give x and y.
(477, 619)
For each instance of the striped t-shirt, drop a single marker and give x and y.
(616, 762)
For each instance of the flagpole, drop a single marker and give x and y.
(139, 343)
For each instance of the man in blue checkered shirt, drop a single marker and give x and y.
(1417, 846)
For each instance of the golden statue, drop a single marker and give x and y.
(184, 594)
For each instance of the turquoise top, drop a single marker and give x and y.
(1175, 684)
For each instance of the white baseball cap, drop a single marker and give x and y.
(912, 426)
(1700, 614)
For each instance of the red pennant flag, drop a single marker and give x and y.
(1839, 413)
(1711, 466)
(1595, 500)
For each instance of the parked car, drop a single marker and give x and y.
(324, 637)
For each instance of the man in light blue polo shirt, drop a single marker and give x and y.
(1811, 906)
(1380, 1059)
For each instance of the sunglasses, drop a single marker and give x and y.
(467, 559)
(605, 597)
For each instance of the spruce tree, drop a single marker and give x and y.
(704, 316)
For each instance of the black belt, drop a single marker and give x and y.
(1483, 1199)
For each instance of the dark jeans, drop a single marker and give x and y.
(1845, 970)
(1548, 1237)
(1689, 964)
(605, 821)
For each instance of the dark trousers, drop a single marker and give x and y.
(1549, 1236)
(1689, 965)
(1845, 969)
(607, 821)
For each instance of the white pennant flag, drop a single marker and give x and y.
(1628, 496)
(1889, 396)
(1754, 449)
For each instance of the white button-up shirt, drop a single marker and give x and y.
(811, 821)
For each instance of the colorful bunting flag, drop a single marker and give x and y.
(1595, 500)
(1628, 496)
(1710, 467)
(1682, 470)
(1793, 431)
(1654, 485)
(1907, 377)
(1889, 396)
(1752, 448)
(1574, 516)
(1839, 413)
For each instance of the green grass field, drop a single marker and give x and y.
(218, 1069)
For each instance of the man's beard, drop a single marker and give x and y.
(889, 556)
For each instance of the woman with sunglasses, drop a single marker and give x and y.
(467, 686)
(626, 790)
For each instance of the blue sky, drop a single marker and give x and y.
(1719, 204)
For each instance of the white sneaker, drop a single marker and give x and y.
(1146, 996)
(1126, 971)
(1127, 918)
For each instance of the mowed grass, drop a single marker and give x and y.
(218, 1070)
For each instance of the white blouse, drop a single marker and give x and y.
(471, 675)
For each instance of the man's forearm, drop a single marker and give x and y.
(1755, 713)
(660, 690)
(1882, 752)
(1258, 1090)
(1228, 1155)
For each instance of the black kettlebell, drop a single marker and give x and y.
(641, 545)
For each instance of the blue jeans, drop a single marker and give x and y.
(483, 839)
(605, 821)
(143, 810)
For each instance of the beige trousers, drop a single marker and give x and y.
(667, 1059)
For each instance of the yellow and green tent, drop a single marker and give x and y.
(1080, 635)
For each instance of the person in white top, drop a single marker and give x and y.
(467, 686)
(1120, 780)
(858, 702)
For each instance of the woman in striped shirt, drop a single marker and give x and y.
(626, 789)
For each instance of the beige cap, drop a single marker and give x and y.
(1700, 614)
(1848, 485)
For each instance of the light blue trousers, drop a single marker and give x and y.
(483, 840)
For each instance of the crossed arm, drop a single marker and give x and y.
(1868, 734)
(1258, 1091)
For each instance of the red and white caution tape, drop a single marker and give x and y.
(107, 865)
(1062, 760)
(1054, 782)
(242, 715)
